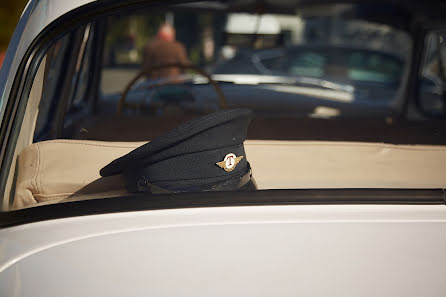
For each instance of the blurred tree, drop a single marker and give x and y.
(126, 33)
(10, 11)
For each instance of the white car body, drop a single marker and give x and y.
(235, 251)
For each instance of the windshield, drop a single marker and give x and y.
(272, 54)
(314, 97)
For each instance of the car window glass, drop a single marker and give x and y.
(307, 63)
(82, 73)
(272, 63)
(373, 67)
(56, 59)
(319, 74)
(432, 85)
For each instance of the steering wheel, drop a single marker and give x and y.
(122, 104)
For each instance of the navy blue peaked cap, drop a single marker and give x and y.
(204, 154)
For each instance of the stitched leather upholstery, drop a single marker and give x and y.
(59, 169)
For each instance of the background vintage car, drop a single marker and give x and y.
(347, 147)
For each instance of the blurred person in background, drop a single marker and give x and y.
(164, 50)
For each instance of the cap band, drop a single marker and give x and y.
(195, 166)
(234, 182)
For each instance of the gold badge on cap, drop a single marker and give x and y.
(229, 162)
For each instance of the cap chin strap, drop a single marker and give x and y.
(234, 183)
(144, 186)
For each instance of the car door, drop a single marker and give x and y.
(289, 240)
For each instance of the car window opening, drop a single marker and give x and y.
(326, 91)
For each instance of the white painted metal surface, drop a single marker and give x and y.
(236, 251)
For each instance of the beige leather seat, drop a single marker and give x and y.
(55, 170)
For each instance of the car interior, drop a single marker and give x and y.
(329, 112)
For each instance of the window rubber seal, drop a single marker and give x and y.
(148, 202)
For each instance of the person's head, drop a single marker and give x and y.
(166, 32)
